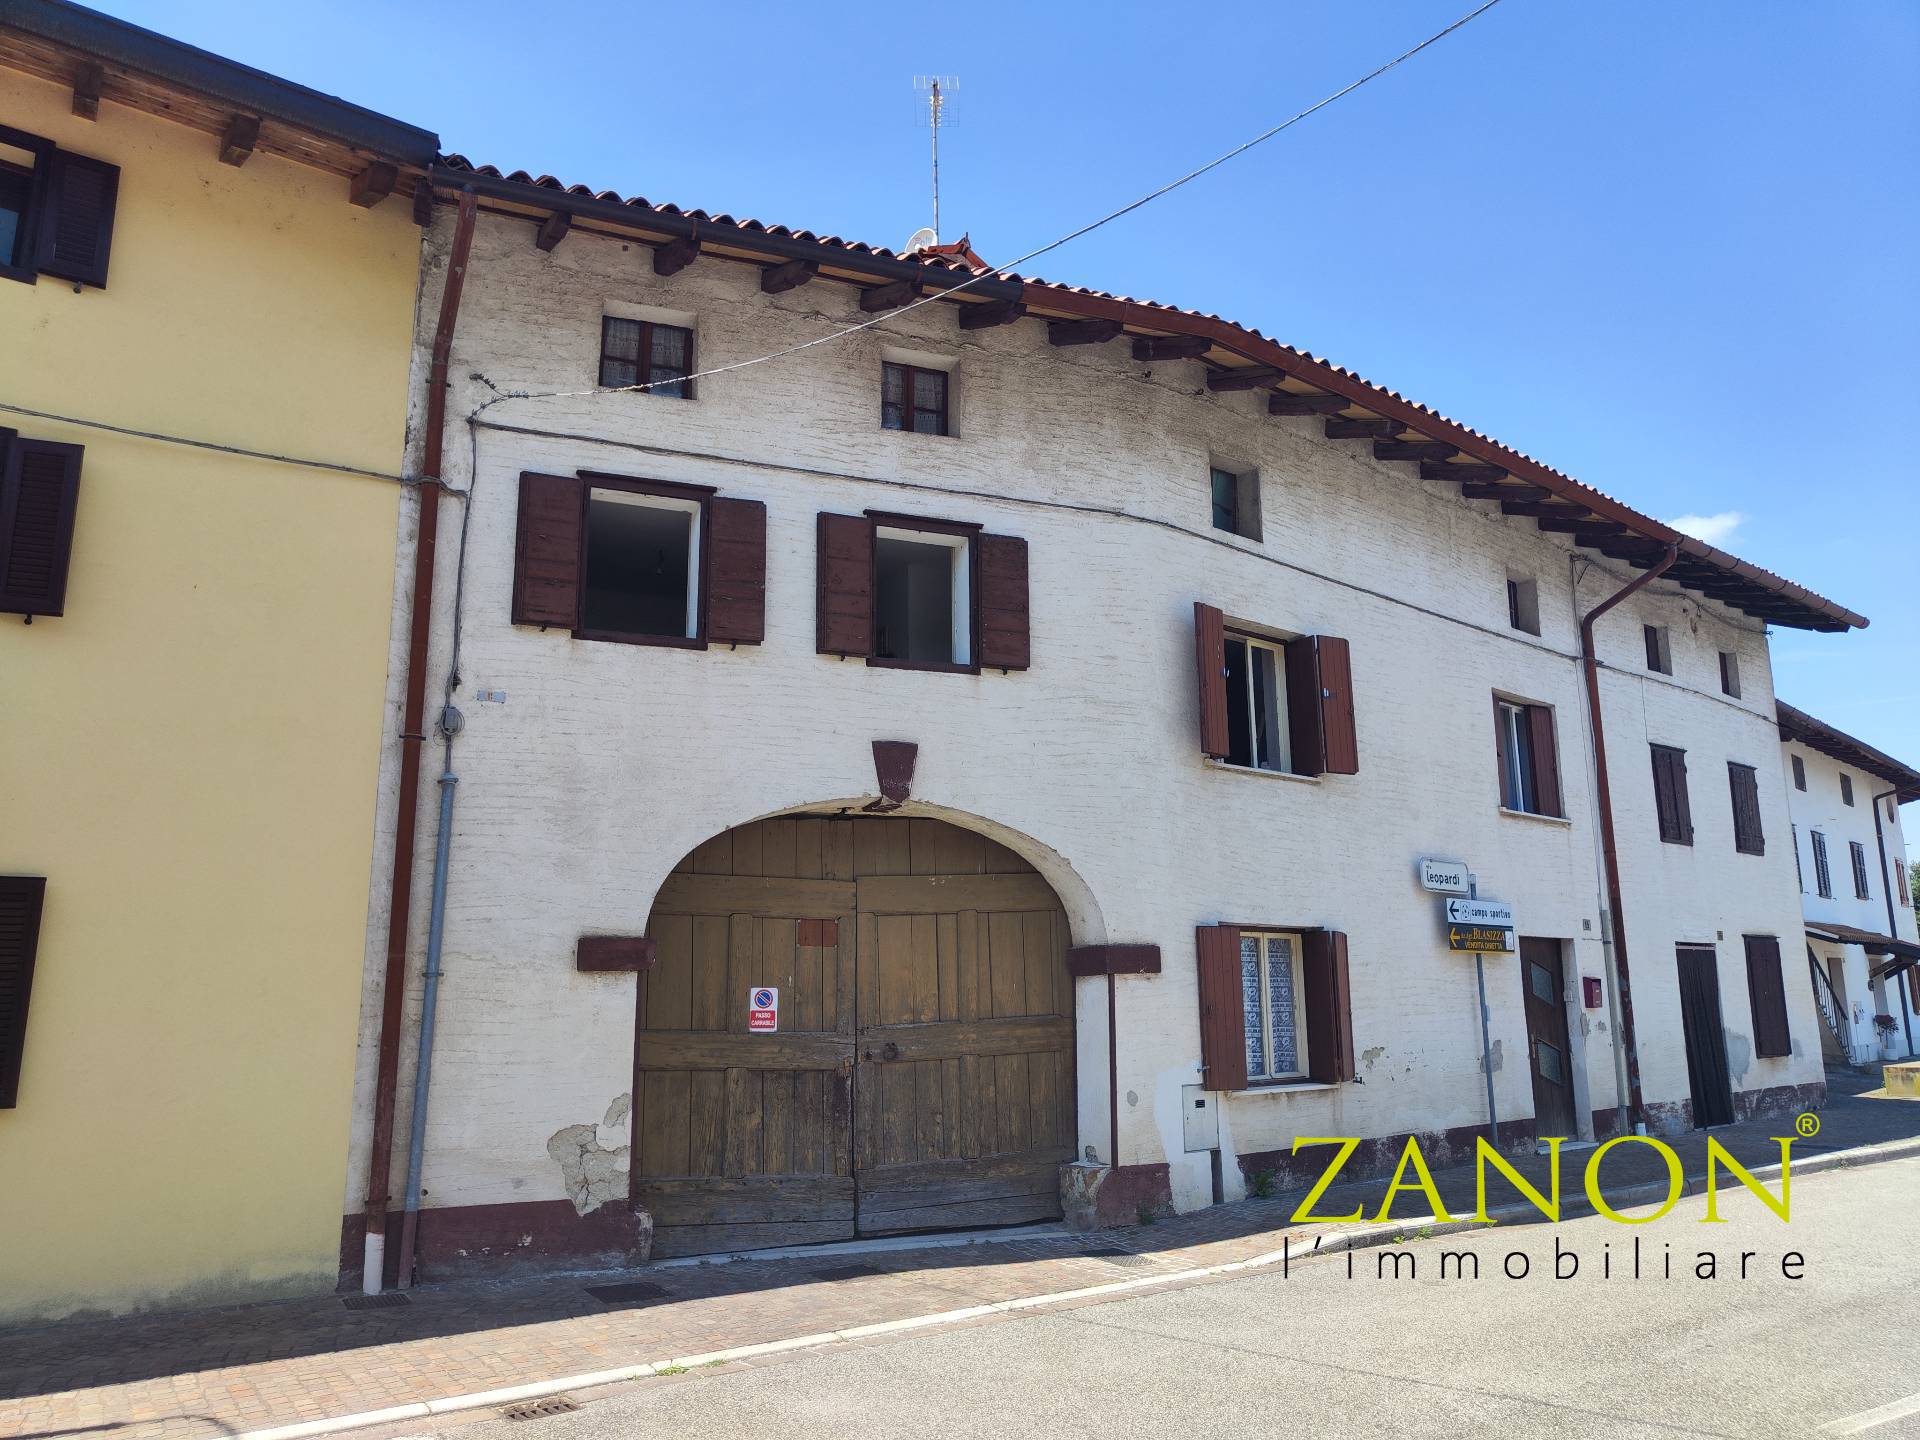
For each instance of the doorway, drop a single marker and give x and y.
(921, 1076)
(1550, 1052)
(1699, 974)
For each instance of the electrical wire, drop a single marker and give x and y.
(1014, 264)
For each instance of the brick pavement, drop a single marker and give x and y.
(223, 1371)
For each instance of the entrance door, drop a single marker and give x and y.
(1706, 1040)
(922, 1072)
(1552, 1057)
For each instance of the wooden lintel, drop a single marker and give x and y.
(552, 230)
(1170, 347)
(1441, 470)
(86, 90)
(1341, 429)
(984, 315)
(889, 297)
(674, 256)
(1082, 332)
(1244, 379)
(238, 139)
(373, 184)
(422, 204)
(1411, 450)
(778, 279)
(1286, 402)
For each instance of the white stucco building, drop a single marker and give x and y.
(1182, 651)
(1844, 799)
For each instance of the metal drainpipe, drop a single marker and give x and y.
(1590, 664)
(400, 903)
(1893, 927)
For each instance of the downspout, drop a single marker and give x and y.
(1590, 665)
(400, 908)
(1893, 926)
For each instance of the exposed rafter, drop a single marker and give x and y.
(373, 184)
(985, 315)
(1286, 402)
(1440, 470)
(86, 90)
(674, 256)
(552, 230)
(1341, 429)
(238, 139)
(778, 279)
(877, 299)
(422, 203)
(1411, 450)
(1082, 332)
(1170, 347)
(1229, 380)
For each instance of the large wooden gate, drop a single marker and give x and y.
(922, 1073)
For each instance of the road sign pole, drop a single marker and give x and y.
(1486, 1047)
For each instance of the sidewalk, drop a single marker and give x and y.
(242, 1368)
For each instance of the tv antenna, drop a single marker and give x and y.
(939, 92)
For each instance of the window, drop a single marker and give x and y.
(1729, 674)
(1670, 795)
(1822, 876)
(1747, 836)
(21, 897)
(1236, 502)
(1257, 704)
(636, 352)
(922, 614)
(56, 211)
(1659, 652)
(1271, 989)
(1799, 772)
(1846, 790)
(1523, 605)
(1767, 992)
(1798, 874)
(1861, 890)
(1529, 768)
(1284, 706)
(39, 493)
(913, 398)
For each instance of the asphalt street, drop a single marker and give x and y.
(1324, 1351)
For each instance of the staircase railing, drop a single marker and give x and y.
(1827, 1002)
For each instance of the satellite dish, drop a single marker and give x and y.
(921, 240)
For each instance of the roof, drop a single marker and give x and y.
(1798, 725)
(1904, 952)
(44, 36)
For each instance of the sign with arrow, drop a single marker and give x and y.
(1497, 913)
(1480, 939)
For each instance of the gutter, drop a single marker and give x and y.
(400, 907)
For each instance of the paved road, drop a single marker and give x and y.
(1316, 1353)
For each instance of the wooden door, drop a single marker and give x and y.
(963, 1076)
(743, 1140)
(1550, 1054)
(1705, 1036)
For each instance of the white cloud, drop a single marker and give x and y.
(1713, 529)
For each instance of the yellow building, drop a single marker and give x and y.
(190, 724)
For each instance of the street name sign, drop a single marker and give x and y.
(1445, 877)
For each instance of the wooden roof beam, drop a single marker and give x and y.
(674, 256)
(372, 185)
(1230, 380)
(552, 230)
(985, 315)
(86, 90)
(1412, 450)
(1170, 347)
(1441, 470)
(1343, 429)
(1287, 402)
(1082, 332)
(238, 139)
(878, 299)
(778, 279)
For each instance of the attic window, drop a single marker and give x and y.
(1523, 605)
(913, 398)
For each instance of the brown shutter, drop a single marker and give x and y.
(1670, 795)
(843, 620)
(1546, 760)
(1342, 753)
(20, 901)
(39, 493)
(1223, 1023)
(1246, 501)
(1306, 716)
(1210, 658)
(1768, 992)
(1508, 800)
(736, 571)
(546, 554)
(1328, 1005)
(1747, 836)
(76, 223)
(1682, 807)
(1005, 634)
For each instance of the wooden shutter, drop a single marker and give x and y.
(1546, 761)
(1005, 632)
(1328, 1004)
(1210, 659)
(1861, 889)
(1767, 990)
(39, 494)
(20, 901)
(1223, 1023)
(1670, 795)
(1246, 503)
(1747, 836)
(1913, 985)
(736, 571)
(547, 549)
(76, 218)
(1508, 800)
(1306, 716)
(843, 620)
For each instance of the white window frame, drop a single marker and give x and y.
(1281, 729)
(674, 503)
(961, 548)
(1268, 1075)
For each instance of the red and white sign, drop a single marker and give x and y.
(763, 1010)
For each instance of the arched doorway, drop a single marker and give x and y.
(921, 1075)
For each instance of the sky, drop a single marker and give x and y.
(1666, 246)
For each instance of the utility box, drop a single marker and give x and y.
(1590, 991)
(1199, 1118)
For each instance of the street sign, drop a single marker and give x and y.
(1479, 939)
(1497, 913)
(1444, 877)
(763, 1010)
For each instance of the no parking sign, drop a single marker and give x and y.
(763, 1009)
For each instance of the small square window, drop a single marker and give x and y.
(641, 352)
(1257, 733)
(1523, 605)
(1273, 992)
(913, 398)
(642, 576)
(922, 597)
(1236, 501)
(1730, 674)
(1659, 653)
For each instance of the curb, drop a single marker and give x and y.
(1333, 1243)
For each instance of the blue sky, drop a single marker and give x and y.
(1668, 248)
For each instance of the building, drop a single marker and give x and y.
(1844, 798)
(983, 765)
(200, 274)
